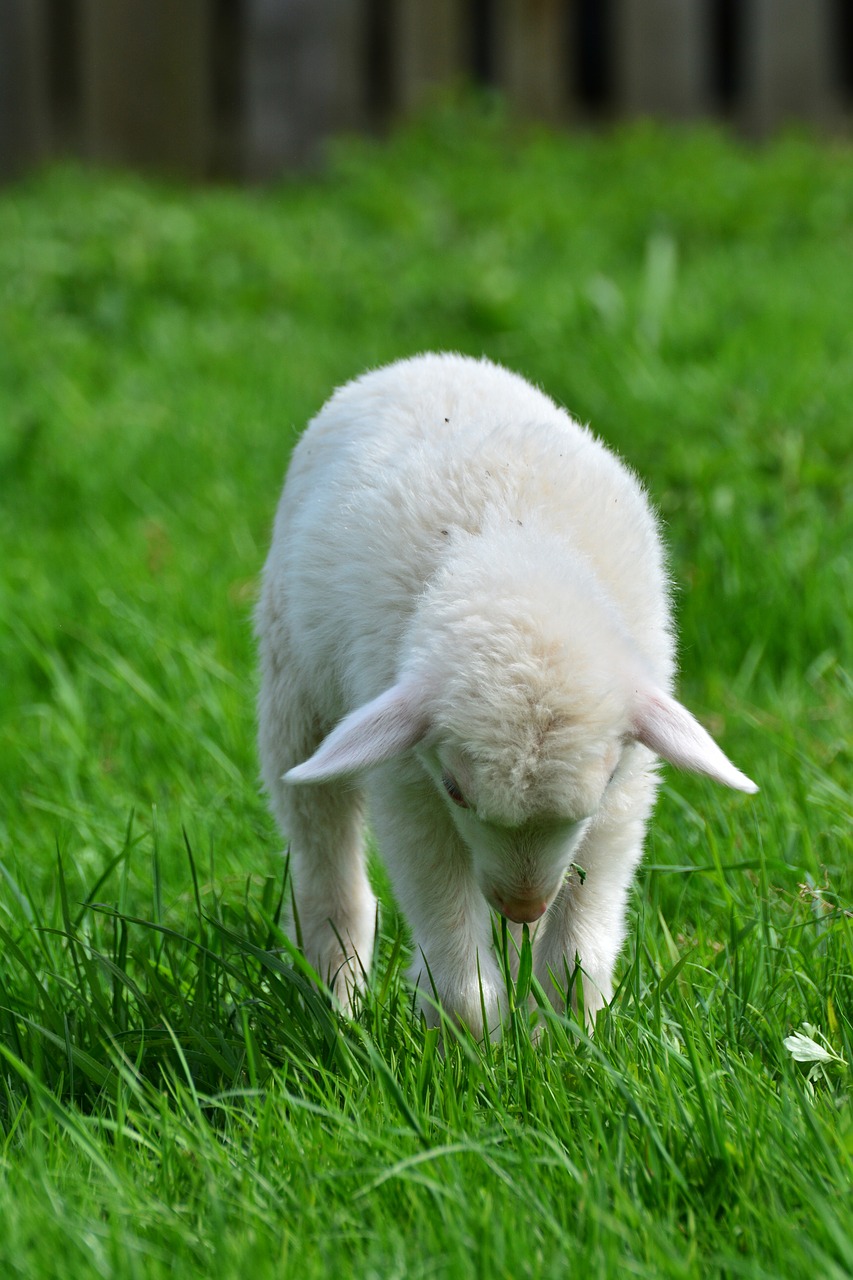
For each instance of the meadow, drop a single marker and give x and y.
(176, 1098)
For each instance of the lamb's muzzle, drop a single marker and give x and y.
(522, 910)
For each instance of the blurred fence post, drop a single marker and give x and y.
(663, 58)
(146, 83)
(533, 56)
(252, 88)
(430, 48)
(303, 79)
(24, 128)
(788, 63)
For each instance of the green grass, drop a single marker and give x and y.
(175, 1097)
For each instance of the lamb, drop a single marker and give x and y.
(464, 631)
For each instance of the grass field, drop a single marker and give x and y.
(174, 1098)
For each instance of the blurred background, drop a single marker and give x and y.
(247, 89)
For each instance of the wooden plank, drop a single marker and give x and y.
(663, 58)
(147, 84)
(24, 126)
(532, 56)
(788, 63)
(304, 77)
(430, 48)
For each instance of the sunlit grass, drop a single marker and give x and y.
(176, 1097)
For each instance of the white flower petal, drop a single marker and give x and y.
(804, 1049)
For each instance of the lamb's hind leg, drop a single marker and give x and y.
(324, 823)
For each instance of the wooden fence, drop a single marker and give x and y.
(249, 88)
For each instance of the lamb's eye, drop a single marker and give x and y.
(451, 786)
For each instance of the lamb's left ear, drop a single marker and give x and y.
(665, 726)
(378, 731)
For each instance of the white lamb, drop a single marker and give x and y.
(465, 626)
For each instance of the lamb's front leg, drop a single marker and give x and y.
(585, 923)
(430, 868)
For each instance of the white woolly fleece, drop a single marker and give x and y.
(465, 624)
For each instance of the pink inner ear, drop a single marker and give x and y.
(378, 731)
(667, 728)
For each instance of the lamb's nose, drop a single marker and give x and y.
(522, 910)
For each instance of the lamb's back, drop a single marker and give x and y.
(399, 459)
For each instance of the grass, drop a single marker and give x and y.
(175, 1097)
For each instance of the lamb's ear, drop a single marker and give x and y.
(378, 731)
(668, 728)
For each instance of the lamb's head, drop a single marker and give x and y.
(522, 713)
(526, 730)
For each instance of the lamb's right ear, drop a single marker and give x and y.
(378, 731)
